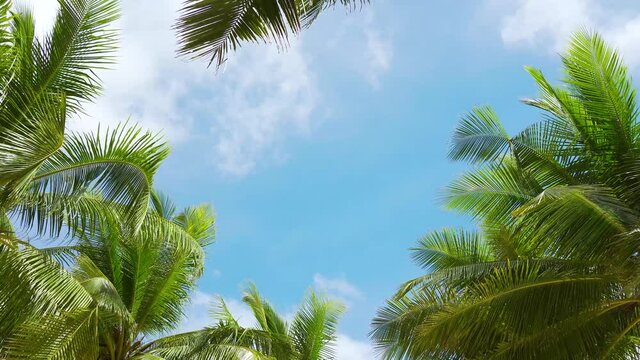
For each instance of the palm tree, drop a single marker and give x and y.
(213, 28)
(309, 336)
(112, 288)
(46, 174)
(552, 272)
(52, 181)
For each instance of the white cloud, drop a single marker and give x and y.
(44, 13)
(537, 22)
(265, 96)
(549, 23)
(338, 288)
(348, 348)
(252, 108)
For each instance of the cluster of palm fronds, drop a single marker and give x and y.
(553, 271)
(125, 260)
(213, 28)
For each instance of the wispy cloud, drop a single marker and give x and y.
(338, 288)
(266, 96)
(363, 45)
(379, 57)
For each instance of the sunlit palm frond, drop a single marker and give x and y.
(314, 327)
(80, 43)
(71, 335)
(198, 222)
(266, 316)
(34, 285)
(599, 78)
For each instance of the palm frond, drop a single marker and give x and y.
(314, 327)
(81, 42)
(480, 137)
(448, 248)
(492, 192)
(599, 78)
(34, 285)
(72, 335)
(117, 164)
(213, 28)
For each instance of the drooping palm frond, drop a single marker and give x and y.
(25, 144)
(119, 164)
(162, 205)
(213, 28)
(395, 324)
(221, 342)
(575, 222)
(480, 137)
(53, 214)
(34, 285)
(70, 336)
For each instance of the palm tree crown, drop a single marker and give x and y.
(121, 287)
(552, 273)
(310, 335)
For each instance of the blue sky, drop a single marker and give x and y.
(325, 162)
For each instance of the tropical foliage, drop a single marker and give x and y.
(213, 28)
(552, 272)
(309, 336)
(130, 261)
(46, 177)
(121, 278)
(101, 296)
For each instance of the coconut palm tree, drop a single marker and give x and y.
(552, 272)
(44, 171)
(113, 287)
(52, 181)
(213, 28)
(309, 336)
